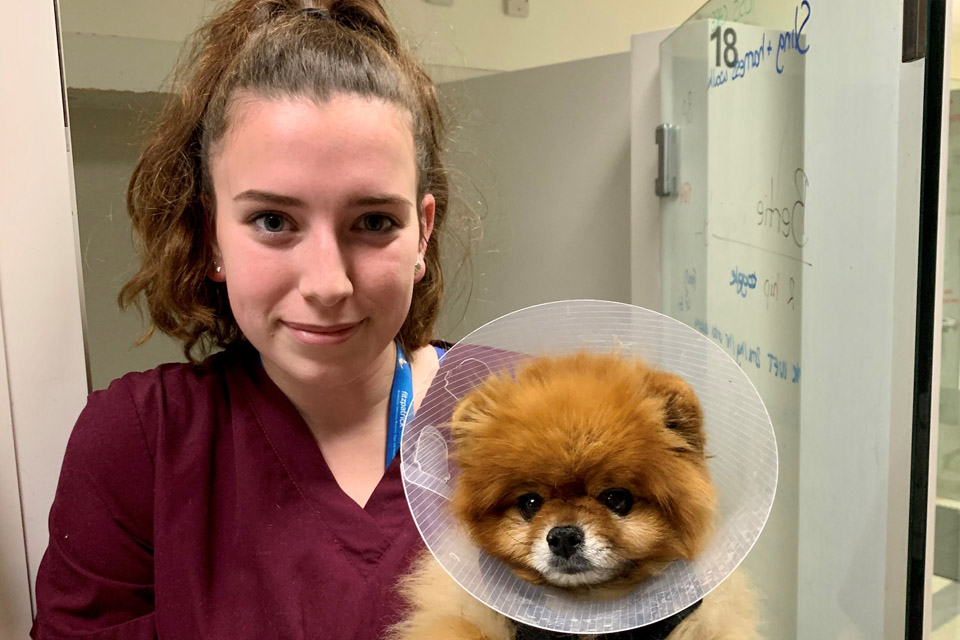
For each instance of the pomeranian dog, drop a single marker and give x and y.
(586, 473)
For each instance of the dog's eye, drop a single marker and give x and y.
(620, 501)
(529, 504)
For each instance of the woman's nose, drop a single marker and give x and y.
(324, 269)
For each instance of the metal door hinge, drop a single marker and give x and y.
(667, 164)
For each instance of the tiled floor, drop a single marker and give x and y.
(946, 609)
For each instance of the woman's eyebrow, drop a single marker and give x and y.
(272, 198)
(289, 201)
(379, 199)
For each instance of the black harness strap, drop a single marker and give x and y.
(656, 631)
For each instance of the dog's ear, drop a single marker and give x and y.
(681, 409)
(476, 408)
(473, 408)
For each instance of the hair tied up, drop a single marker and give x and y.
(318, 13)
(273, 9)
(268, 11)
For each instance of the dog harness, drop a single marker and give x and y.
(656, 631)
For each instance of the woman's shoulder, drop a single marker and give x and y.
(182, 378)
(178, 382)
(100, 557)
(441, 347)
(139, 405)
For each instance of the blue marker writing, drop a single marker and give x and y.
(791, 40)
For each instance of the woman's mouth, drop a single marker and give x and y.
(321, 335)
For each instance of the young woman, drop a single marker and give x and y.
(288, 207)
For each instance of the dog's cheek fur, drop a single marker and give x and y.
(685, 511)
(692, 512)
(475, 499)
(496, 528)
(480, 488)
(653, 535)
(641, 533)
(510, 540)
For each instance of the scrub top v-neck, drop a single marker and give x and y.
(303, 463)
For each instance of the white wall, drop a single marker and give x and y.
(42, 354)
(953, 36)
(14, 581)
(107, 130)
(547, 151)
(646, 229)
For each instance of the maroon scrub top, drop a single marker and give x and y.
(194, 503)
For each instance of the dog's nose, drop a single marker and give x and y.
(564, 541)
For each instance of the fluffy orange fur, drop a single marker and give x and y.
(569, 430)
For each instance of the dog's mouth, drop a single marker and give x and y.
(569, 578)
(576, 571)
(575, 564)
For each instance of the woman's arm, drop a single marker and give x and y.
(96, 577)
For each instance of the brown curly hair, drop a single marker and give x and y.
(271, 48)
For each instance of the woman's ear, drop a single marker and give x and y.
(428, 208)
(215, 271)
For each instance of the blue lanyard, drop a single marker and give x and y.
(401, 404)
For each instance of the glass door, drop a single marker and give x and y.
(790, 221)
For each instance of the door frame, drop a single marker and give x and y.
(929, 314)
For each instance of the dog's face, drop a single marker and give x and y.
(585, 472)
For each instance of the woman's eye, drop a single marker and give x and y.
(271, 222)
(529, 504)
(377, 222)
(620, 501)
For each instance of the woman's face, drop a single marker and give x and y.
(317, 232)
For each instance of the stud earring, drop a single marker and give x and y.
(218, 269)
(417, 267)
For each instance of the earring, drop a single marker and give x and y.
(218, 268)
(417, 267)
